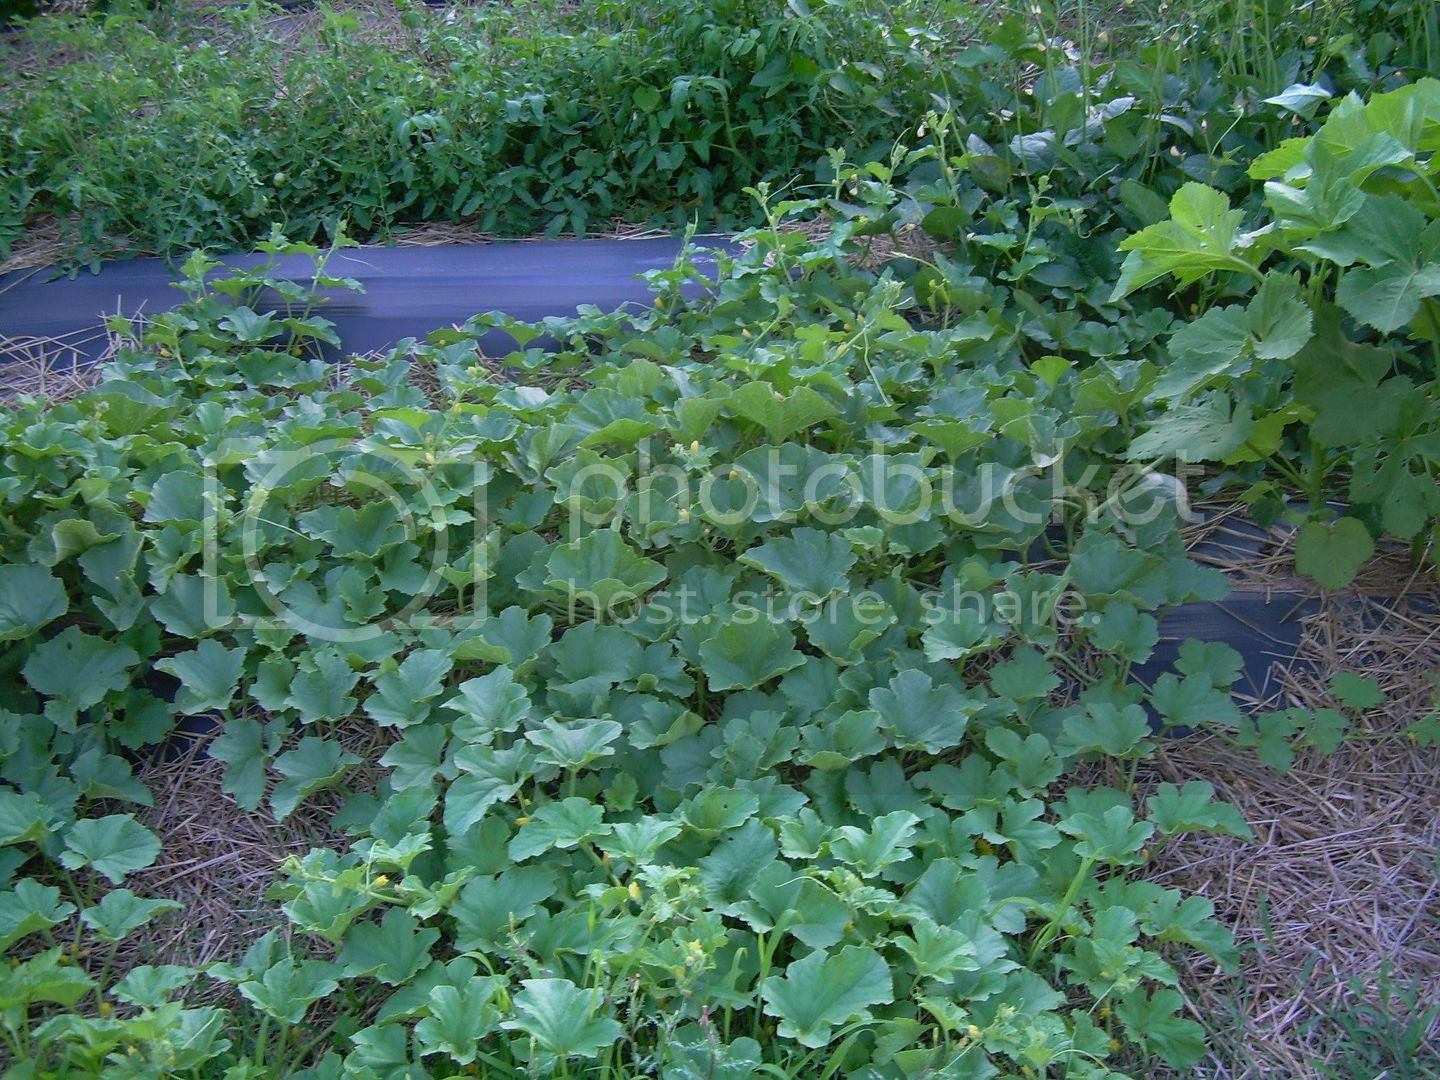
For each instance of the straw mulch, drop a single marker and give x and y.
(1336, 905)
(218, 860)
(48, 366)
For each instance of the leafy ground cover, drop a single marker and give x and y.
(157, 131)
(743, 689)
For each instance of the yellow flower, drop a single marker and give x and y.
(635, 891)
(522, 821)
(381, 881)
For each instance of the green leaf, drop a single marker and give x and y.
(1333, 554)
(920, 714)
(114, 846)
(315, 763)
(1213, 346)
(1356, 691)
(562, 1019)
(592, 658)
(779, 415)
(564, 825)
(574, 744)
(1193, 702)
(938, 951)
(1202, 237)
(150, 985)
(177, 497)
(1193, 808)
(1026, 676)
(241, 746)
(79, 669)
(888, 841)
(30, 598)
(1206, 430)
(489, 705)
(748, 651)
(209, 676)
(29, 908)
(807, 561)
(601, 571)
(401, 696)
(23, 817)
(194, 605)
(1106, 729)
(1112, 837)
(716, 810)
(846, 624)
(1281, 322)
(1387, 297)
(121, 911)
(1303, 99)
(957, 635)
(320, 689)
(288, 989)
(50, 976)
(822, 992)
(460, 1016)
(356, 532)
(392, 950)
(1152, 1022)
(512, 638)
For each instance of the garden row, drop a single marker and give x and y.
(706, 698)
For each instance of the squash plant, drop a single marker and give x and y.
(727, 674)
(1338, 340)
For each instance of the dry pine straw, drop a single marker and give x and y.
(1342, 882)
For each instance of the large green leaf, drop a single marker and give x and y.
(392, 950)
(747, 651)
(115, 846)
(209, 676)
(459, 1017)
(1202, 236)
(79, 669)
(30, 598)
(563, 1019)
(29, 908)
(823, 991)
(600, 570)
(313, 764)
(121, 911)
(561, 824)
(807, 561)
(778, 414)
(402, 696)
(488, 705)
(921, 715)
